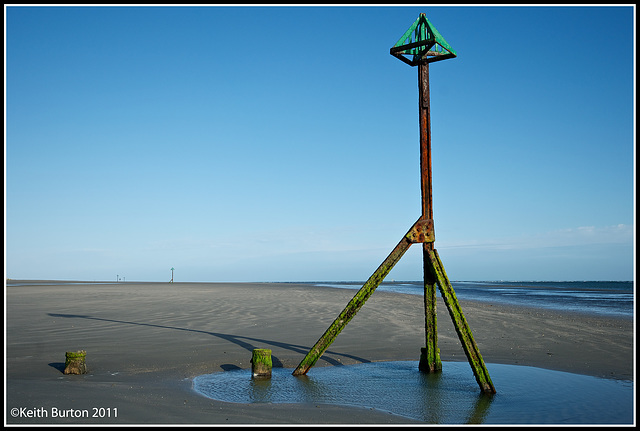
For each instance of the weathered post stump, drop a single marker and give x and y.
(261, 363)
(75, 362)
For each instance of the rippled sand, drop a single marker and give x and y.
(146, 342)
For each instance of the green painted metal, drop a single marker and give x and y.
(423, 43)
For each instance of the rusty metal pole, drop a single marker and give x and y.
(425, 141)
(430, 355)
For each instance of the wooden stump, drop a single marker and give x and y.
(75, 362)
(261, 363)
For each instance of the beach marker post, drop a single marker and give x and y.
(420, 45)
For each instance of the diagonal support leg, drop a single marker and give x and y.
(462, 328)
(421, 231)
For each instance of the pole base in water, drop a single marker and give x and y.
(429, 365)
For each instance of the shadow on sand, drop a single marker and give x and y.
(248, 343)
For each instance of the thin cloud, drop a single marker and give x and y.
(578, 236)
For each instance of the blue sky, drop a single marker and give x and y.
(281, 143)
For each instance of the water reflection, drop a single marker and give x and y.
(480, 409)
(439, 394)
(259, 390)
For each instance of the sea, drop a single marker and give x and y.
(609, 298)
(604, 298)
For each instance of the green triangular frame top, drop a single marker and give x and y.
(422, 43)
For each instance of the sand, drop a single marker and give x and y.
(145, 343)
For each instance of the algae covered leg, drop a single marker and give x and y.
(430, 355)
(421, 231)
(462, 327)
(352, 308)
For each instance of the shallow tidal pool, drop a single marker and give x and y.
(525, 395)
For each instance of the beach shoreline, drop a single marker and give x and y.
(146, 341)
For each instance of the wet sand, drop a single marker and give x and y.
(145, 343)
